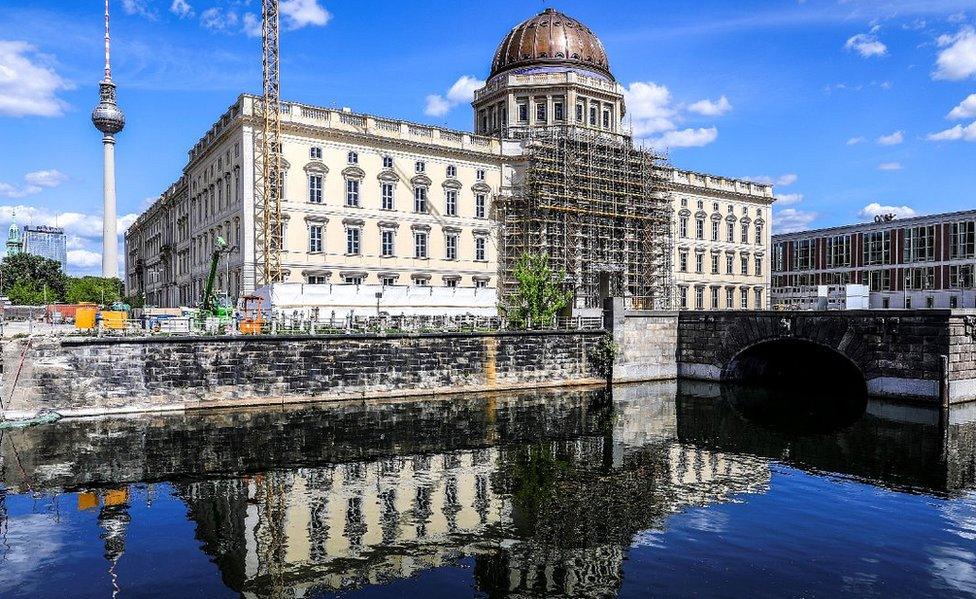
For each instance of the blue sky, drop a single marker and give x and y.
(845, 103)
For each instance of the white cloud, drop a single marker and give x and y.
(890, 166)
(138, 7)
(866, 44)
(252, 25)
(216, 19)
(790, 220)
(782, 180)
(786, 199)
(461, 92)
(855, 140)
(28, 87)
(891, 140)
(181, 8)
(84, 259)
(34, 183)
(957, 60)
(301, 13)
(74, 223)
(709, 108)
(649, 107)
(875, 209)
(686, 138)
(957, 133)
(965, 110)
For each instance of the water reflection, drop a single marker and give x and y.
(529, 494)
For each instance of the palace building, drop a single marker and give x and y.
(374, 202)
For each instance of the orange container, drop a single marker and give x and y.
(85, 318)
(113, 319)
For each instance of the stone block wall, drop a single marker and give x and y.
(91, 376)
(647, 341)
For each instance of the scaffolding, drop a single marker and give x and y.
(600, 209)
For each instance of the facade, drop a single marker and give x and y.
(377, 202)
(722, 237)
(920, 262)
(48, 242)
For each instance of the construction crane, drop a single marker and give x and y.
(268, 182)
(213, 305)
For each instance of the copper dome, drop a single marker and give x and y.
(551, 38)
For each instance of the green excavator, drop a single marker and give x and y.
(215, 305)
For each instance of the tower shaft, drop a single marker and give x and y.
(110, 258)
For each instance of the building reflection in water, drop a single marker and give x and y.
(545, 491)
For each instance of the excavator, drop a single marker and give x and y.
(214, 305)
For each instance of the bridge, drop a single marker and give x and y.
(892, 353)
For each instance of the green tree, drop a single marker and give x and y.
(97, 290)
(538, 297)
(25, 293)
(34, 273)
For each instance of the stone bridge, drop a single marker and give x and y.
(898, 353)
(894, 353)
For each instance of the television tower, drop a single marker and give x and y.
(108, 118)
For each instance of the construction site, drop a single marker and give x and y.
(600, 209)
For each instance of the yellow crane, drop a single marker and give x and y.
(267, 154)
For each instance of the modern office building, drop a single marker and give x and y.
(48, 242)
(919, 262)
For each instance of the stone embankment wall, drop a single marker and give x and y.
(94, 376)
(647, 342)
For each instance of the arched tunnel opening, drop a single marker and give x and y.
(795, 386)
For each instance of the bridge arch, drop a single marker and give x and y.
(792, 361)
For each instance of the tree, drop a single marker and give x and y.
(25, 293)
(95, 290)
(33, 273)
(538, 297)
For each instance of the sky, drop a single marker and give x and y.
(851, 107)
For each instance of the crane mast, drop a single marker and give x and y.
(267, 154)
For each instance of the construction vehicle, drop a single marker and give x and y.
(212, 304)
(252, 315)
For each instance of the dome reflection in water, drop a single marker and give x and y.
(795, 386)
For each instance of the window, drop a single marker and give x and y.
(480, 249)
(961, 276)
(759, 233)
(714, 264)
(684, 202)
(683, 297)
(593, 116)
(745, 233)
(353, 279)
(315, 153)
(700, 298)
(729, 264)
(606, 119)
(387, 162)
(759, 266)
(450, 202)
(729, 298)
(352, 192)
(557, 111)
(479, 205)
(699, 263)
(683, 262)
(803, 254)
(450, 246)
(744, 296)
(962, 240)
(451, 171)
(352, 240)
(930, 302)
(683, 227)
(480, 174)
(315, 189)
(317, 279)
(420, 281)
(919, 244)
(880, 280)
(758, 293)
(579, 113)
(387, 281)
(386, 195)
(386, 243)
(480, 283)
(420, 244)
(730, 232)
(744, 264)
(714, 294)
(450, 282)
(540, 111)
(420, 199)
(523, 112)
(838, 251)
(315, 238)
(420, 166)
(699, 228)
(953, 301)
(920, 278)
(352, 158)
(714, 230)
(877, 247)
